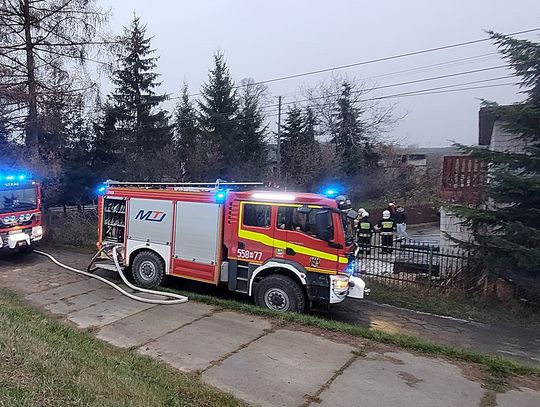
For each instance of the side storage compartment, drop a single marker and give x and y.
(114, 219)
(197, 241)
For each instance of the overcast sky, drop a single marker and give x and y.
(264, 39)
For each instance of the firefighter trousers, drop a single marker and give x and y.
(387, 242)
(364, 243)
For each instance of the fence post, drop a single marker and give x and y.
(430, 265)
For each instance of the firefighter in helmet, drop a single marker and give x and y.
(364, 233)
(357, 220)
(387, 226)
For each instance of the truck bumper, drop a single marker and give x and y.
(22, 238)
(340, 288)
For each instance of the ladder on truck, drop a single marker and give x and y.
(187, 186)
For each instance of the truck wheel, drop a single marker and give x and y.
(148, 270)
(280, 293)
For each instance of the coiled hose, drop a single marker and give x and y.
(172, 298)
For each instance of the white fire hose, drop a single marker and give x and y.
(172, 298)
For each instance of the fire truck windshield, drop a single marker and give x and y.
(15, 200)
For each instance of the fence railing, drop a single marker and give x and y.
(411, 263)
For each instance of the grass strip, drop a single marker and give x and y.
(44, 362)
(498, 366)
(451, 303)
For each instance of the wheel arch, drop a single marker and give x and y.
(296, 272)
(131, 256)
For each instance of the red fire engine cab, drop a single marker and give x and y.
(20, 212)
(288, 250)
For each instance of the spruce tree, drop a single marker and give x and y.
(218, 119)
(109, 149)
(506, 228)
(141, 125)
(252, 132)
(187, 138)
(353, 144)
(300, 152)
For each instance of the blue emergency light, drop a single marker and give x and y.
(13, 177)
(101, 189)
(220, 196)
(331, 192)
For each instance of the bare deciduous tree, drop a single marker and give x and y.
(41, 42)
(378, 117)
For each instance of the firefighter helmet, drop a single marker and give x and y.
(386, 214)
(365, 214)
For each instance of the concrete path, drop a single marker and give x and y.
(521, 343)
(261, 363)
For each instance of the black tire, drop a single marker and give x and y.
(148, 270)
(280, 293)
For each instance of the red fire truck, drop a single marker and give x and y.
(20, 212)
(288, 250)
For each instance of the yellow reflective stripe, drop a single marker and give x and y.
(281, 244)
(322, 271)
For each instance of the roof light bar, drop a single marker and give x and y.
(272, 196)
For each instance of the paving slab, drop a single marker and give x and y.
(404, 379)
(523, 397)
(195, 346)
(151, 324)
(69, 305)
(69, 290)
(106, 311)
(280, 369)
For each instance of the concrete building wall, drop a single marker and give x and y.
(450, 225)
(502, 140)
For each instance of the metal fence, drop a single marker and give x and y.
(410, 263)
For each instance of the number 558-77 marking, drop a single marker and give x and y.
(247, 254)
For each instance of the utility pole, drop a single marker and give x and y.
(278, 148)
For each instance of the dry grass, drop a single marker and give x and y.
(45, 363)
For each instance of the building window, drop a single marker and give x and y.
(257, 215)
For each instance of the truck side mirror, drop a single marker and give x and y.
(352, 214)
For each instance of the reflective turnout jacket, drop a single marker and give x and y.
(365, 229)
(387, 226)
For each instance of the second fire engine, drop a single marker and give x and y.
(288, 250)
(20, 212)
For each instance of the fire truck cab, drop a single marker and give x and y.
(20, 212)
(288, 250)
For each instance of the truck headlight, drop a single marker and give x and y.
(341, 283)
(37, 231)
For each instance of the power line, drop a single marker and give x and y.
(400, 84)
(420, 92)
(455, 74)
(372, 61)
